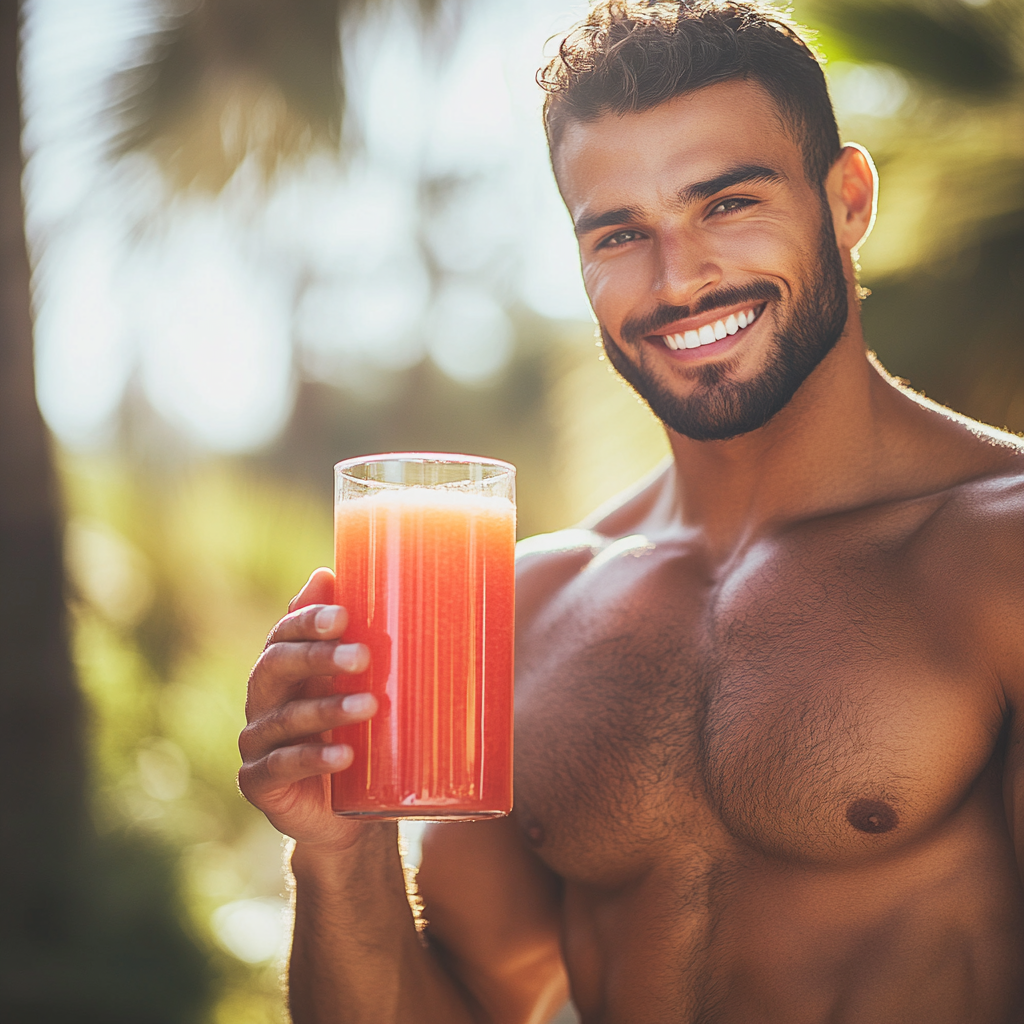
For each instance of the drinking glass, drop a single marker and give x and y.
(424, 547)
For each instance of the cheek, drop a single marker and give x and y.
(613, 286)
(599, 287)
(761, 248)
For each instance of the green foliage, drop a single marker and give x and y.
(177, 578)
(234, 80)
(951, 45)
(945, 262)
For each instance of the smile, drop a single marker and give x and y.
(716, 330)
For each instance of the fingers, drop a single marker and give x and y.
(318, 589)
(297, 720)
(311, 622)
(290, 706)
(286, 765)
(266, 781)
(282, 775)
(283, 665)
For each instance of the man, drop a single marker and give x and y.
(769, 742)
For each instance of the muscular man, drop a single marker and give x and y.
(769, 760)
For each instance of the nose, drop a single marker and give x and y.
(684, 269)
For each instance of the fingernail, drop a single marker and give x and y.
(350, 657)
(337, 754)
(359, 703)
(326, 618)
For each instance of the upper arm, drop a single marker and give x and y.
(997, 613)
(966, 576)
(494, 909)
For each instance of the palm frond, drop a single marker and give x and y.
(231, 80)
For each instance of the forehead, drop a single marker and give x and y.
(688, 138)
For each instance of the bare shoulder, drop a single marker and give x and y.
(986, 511)
(967, 561)
(546, 562)
(972, 475)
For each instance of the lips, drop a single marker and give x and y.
(711, 330)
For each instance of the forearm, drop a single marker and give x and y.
(356, 956)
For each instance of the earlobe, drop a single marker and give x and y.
(858, 195)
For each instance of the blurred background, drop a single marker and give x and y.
(266, 235)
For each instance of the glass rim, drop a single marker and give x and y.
(441, 458)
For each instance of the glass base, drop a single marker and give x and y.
(422, 814)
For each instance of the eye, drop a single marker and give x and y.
(733, 204)
(619, 238)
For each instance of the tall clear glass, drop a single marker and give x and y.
(424, 547)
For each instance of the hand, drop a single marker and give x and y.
(290, 704)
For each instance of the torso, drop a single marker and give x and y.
(773, 791)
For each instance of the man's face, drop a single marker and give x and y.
(693, 219)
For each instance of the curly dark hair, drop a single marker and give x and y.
(631, 55)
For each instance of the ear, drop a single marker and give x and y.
(852, 188)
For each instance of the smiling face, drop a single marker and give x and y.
(710, 260)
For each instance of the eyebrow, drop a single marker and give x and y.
(591, 222)
(744, 175)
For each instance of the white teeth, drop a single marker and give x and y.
(710, 333)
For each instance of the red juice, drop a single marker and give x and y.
(427, 578)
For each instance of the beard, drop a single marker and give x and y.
(721, 408)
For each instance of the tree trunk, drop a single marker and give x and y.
(41, 753)
(90, 930)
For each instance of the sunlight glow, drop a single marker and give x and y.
(361, 265)
(83, 354)
(214, 339)
(470, 337)
(252, 930)
(873, 89)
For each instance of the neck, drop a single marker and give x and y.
(830, 448)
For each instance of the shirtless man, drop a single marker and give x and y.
(769, 762)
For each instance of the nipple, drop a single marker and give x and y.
(871, 816)
(534, 833)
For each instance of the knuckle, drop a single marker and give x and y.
(317, 656)
(276, 761)
(273, 661)
(263, 664)
(301, 620)
(245, 740)
(248, 783)
(287, 720)
(280, 627)
(251, 738)
(296, 625)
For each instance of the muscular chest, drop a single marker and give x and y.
(798, 706)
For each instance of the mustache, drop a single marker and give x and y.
(639, 327)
